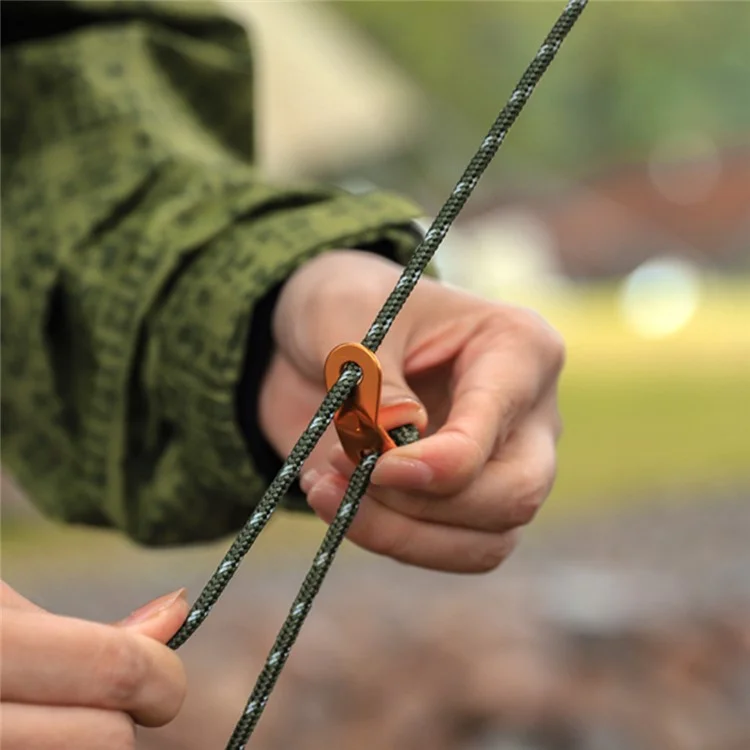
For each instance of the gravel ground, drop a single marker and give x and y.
(626, 630)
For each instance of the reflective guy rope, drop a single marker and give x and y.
(337, 395)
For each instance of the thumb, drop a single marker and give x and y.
(399, 404)
(159, 619)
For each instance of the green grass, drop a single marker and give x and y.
(633, 435)
(644, 416)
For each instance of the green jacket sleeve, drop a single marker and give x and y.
(138, 241)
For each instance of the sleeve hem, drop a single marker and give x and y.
(198, 341)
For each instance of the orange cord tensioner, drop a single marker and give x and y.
(357, 420)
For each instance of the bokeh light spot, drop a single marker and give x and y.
(660, 297)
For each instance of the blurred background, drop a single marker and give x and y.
(619, 207)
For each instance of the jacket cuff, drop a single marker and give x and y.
(207, 479)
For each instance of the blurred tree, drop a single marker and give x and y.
(631, 75)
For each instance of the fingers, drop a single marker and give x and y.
(508, 492)
(68, 662)
(384, 531)
(480, 371)
(498, 378)
(60, 728)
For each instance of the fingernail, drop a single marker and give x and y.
(154, 607)
(407, 473)
(308, 480)
(401, 412)
(399, 399)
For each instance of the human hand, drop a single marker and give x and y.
(478, 378)
(70, 683)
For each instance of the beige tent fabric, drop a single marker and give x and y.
(327, 98)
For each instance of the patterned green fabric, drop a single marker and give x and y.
(137, 240)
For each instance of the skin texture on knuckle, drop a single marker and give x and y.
(123, 669)
(397, 544)
(519, 323)
(117, 732)
(527, 326)
(549, 342)
(173, 695)
(145, 679)
(494, 554)
(463, 462)
(532, 488)
(528, 506)
(555, 421)
(558, 350)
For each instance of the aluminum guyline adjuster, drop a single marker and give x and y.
(357, 420)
